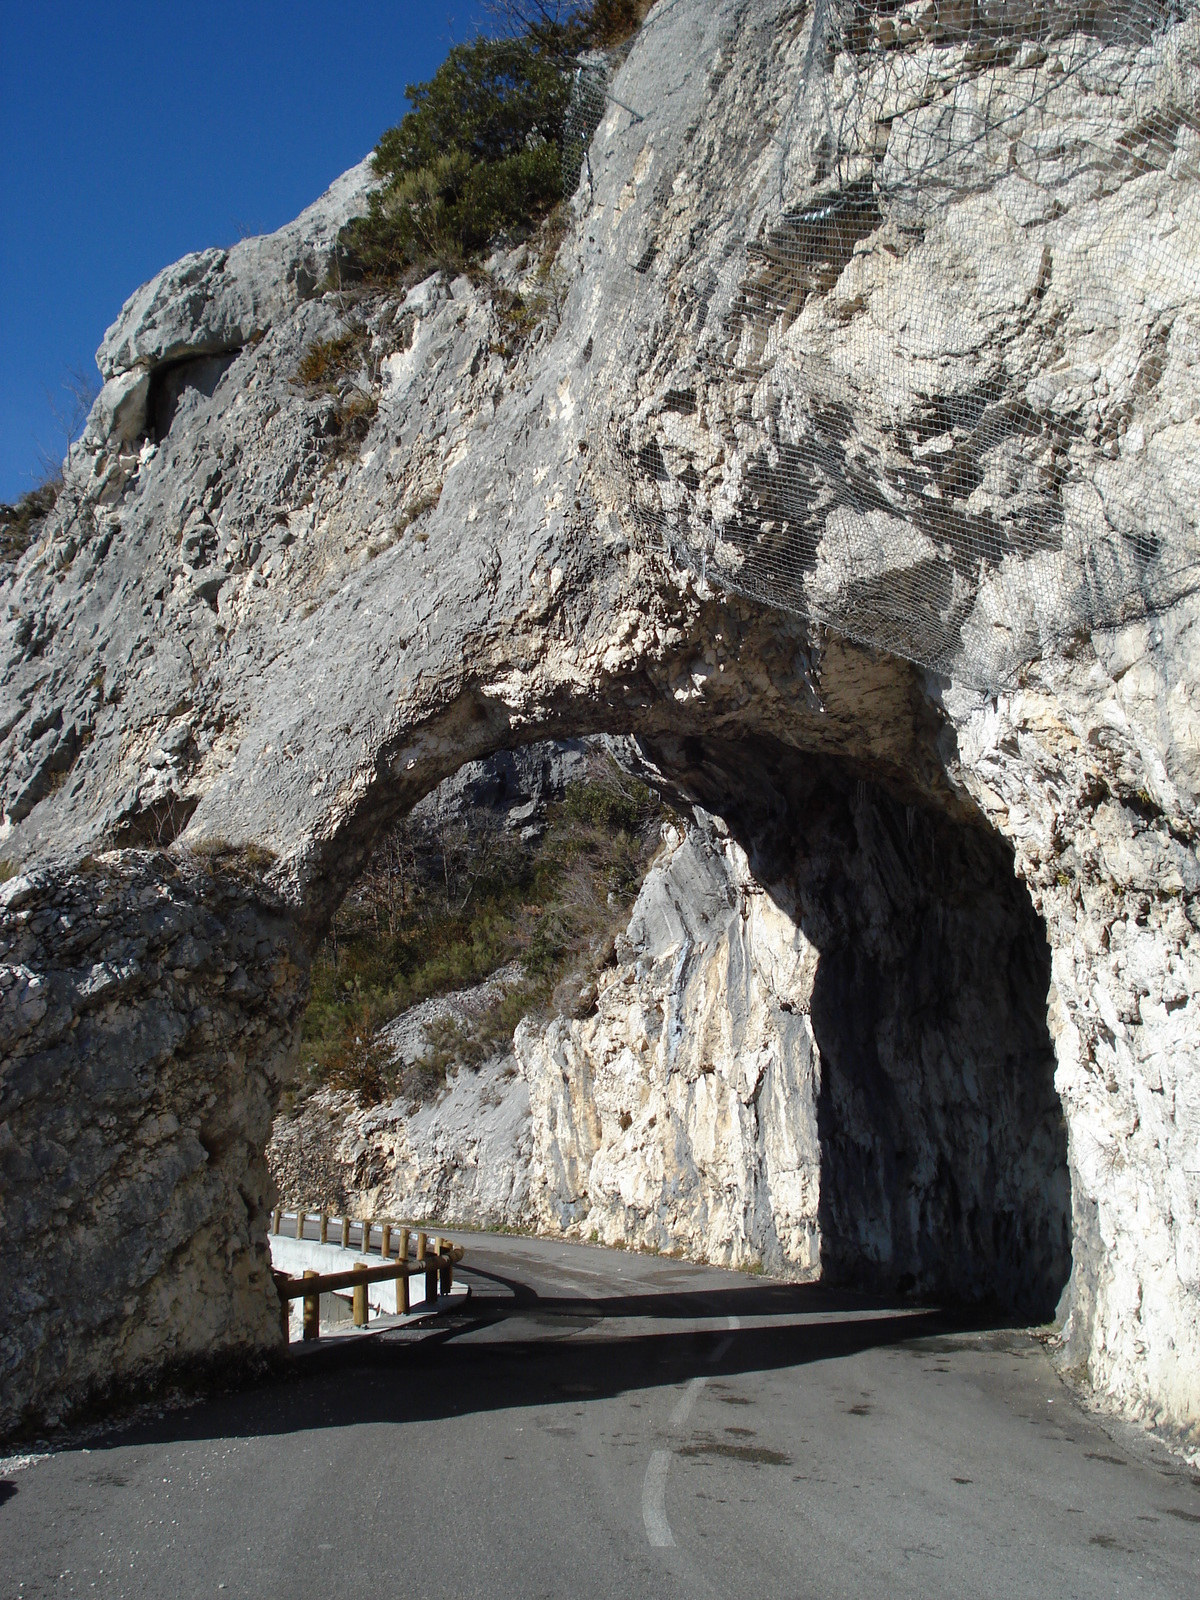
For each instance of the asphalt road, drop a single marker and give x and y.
(601, 1424)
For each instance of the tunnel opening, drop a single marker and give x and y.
(943, 1145)
(546, 1049)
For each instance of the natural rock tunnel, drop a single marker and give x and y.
(852, 1078)
(942, 1140)
(256, 646)
(820, 1045)
(913, 995)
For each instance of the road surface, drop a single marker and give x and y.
(601, 1424)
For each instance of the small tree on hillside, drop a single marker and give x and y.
(479, 157)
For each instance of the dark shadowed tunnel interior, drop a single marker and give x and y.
(943, 1143)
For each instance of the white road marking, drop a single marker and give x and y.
(685, 1402)
(654, 1485)
(654, 1515)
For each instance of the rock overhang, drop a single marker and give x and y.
(213, 302)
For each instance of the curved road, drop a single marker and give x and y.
(600, 1424)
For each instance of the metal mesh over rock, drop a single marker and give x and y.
(951, 406)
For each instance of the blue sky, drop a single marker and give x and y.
(133, 133)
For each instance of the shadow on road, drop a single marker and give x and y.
(517, 1348)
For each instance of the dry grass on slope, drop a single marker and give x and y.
(445, 903)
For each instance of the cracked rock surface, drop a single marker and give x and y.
(267, 617)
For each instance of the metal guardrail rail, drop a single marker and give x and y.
(436, 1265)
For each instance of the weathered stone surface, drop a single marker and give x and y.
(216, 300)
(120, 410)
(1086, 770)
(271, 623)
(147, 1011)
(463, 1161)
(682, 1115)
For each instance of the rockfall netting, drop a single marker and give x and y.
(590, 78)
(591, 95)
(952, 408)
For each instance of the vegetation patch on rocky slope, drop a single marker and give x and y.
(479, 156)
(447, 900)
(19, 523)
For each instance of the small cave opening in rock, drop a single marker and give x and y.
(943, 1146)
(171, 382)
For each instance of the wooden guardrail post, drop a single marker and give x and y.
(430, 1271)
(301, 1219)
(447, 1272)
(285, 1306)
(345, 1233)
(360, 1300)
(324, 1228)
(277, 1219)
(312, 1311)
(421, 1242)
(402, 1298)
(385, 1243)
(366, 1235)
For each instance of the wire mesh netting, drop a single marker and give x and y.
(591, 75)
(953, 407)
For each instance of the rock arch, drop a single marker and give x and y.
(158, 994)
(298, 632)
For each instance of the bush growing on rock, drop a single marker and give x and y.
(326, 361)
(479, 157)
(19, 523)
(441, 906)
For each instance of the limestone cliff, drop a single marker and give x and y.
(638, 1124)
(264, 620)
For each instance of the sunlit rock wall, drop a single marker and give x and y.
(273, 618)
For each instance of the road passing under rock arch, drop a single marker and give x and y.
(241, 645)
(598, 1423)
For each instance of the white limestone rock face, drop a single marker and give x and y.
(1092, 769)
(461, 1161)
(217, 300)
(268, 623)
(1013, 331)
(461, 1158)
(119, 413)
(681, 1116)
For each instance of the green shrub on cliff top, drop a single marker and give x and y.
(479, 156)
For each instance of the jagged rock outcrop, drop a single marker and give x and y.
(214, 302)
(160, 1001)
(274, 617)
